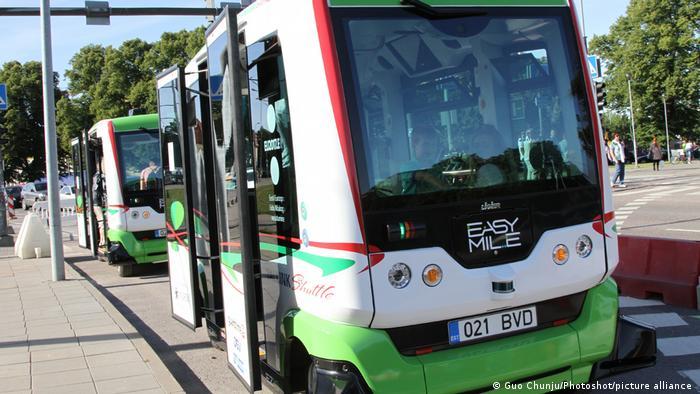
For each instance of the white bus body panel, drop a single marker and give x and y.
(331, 215)
(467, 292)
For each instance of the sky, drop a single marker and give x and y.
(21, 36)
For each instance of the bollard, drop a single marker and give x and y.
(37, 252)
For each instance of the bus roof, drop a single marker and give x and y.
(452, 3)
(129, 123)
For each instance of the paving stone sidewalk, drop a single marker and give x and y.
(65, 337)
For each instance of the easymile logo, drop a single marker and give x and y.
(493, 235)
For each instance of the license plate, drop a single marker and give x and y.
(160, 233)
(484, 326)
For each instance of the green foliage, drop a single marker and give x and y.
(72, 117)
(106, 82)
(657, 43)
(24, 120)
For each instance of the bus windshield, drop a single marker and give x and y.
(486, 103)
(139, 161)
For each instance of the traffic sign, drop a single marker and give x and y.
(593, 65)
(3, 97)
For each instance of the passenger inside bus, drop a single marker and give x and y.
(420, 173)
(149, 175)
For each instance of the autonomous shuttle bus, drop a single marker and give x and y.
(124, 199)
(406, 196)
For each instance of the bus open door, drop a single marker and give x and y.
(79, 175)
(235, 206)
(175, 152)
(185, 153)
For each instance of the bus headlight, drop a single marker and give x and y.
(432, 275)
(584, 246)
(560, 254)
(399, 275)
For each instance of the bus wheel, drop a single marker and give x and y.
(299, 366)
(126, 270)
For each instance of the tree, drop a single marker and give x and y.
(657, 43)
(123, 69)
(24, 120)
(105, 82)
(72, 118)
(86, 69)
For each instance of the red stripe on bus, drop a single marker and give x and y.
(176, 235)
(112, 141)
(344, 246)
(337, 95)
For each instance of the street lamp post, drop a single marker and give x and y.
(668, 142)
(634, 136)
(57, 265)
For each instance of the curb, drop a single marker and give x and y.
(160, 372)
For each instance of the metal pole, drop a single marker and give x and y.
(668, 142)
(634, 136)
(57, 269)
(3, 201)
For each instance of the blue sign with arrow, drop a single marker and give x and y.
(593, 65)
(3, 97)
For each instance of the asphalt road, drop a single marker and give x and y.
(660, 203)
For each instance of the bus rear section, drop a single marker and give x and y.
(126, 191)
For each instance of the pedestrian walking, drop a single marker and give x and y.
(617, 153)
(688, 149)
(655, 154)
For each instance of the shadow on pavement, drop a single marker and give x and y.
(178, 368)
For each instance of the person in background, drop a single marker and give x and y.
(655, 154)
(688, 148)
(98, 203)
(617, 153)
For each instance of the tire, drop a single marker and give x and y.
(126, 270)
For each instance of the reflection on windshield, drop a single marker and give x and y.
(469, 103)
(139, 154)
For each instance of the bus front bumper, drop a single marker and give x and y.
(592, 346)
(126, 249)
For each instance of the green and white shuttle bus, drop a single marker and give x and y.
(403, 196)
(123, 203)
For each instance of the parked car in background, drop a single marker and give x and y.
(14, 193)
(67, 192)
(33, 192)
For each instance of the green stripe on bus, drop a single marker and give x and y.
(329, 265)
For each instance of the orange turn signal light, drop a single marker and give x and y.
(560, 254)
